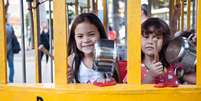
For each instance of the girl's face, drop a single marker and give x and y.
(149, 42)
(86, 35)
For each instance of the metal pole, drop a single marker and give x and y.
(76, 7)
(126, 31)
(50, 39)
(38, 42)
(23, 43)
(31, 24)
(105, 18)
(193, 15)
(189, 15)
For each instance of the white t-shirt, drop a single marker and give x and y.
(86, 75)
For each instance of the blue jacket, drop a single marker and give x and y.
(10, 32)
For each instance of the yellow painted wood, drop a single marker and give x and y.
(36, 53)
(104, 2)
(133, 91)
(94, 93)
(182, 15)
(60, 42)
(76, 7)
(134, 41)
(189, 15)
(3, 61)
(198, 72)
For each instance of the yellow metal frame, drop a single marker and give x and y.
(61, 91)
(3, 66)
(36, 34)
(60, 42)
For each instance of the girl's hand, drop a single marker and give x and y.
(156, 69)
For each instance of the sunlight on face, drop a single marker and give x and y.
(86, 35)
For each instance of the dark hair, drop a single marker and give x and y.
(160, 27)
(72, 48)
(144, 8)
(110, 28)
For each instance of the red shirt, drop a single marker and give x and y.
(168, 77)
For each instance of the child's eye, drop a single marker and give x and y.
(91, 34)
(79, 36)
(158, 37)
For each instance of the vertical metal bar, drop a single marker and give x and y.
(182, 15)
(76, 7)
(198, 69)
(105, 14)
(50, 39)
(179, 21)
(126, 27)
(134, 58)
(93, 6)
(60, 27)
(189, 16)
(193, 14)
(36, 38)
(23, 43)
(3, 49)
(96, 7)
(171, 7)
(37, 42)
(88, 5)
(31, 23)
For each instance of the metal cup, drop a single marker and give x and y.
(181, 51)
(105, 55)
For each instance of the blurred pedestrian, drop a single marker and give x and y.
(44, 39)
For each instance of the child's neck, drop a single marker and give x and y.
(148, 60)
(88, 60)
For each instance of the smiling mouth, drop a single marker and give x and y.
(87, 46)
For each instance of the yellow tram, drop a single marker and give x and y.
(60, 90)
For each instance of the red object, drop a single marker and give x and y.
(112, 35)
(169, 78)
(122, 69)
(105, 83)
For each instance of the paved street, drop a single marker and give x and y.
(30, 68)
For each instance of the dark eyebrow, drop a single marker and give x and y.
(82, 33)
(91, 32)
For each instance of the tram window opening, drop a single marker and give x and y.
(162, 63)
(120, 37)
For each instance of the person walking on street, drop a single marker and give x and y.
(10, 56)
